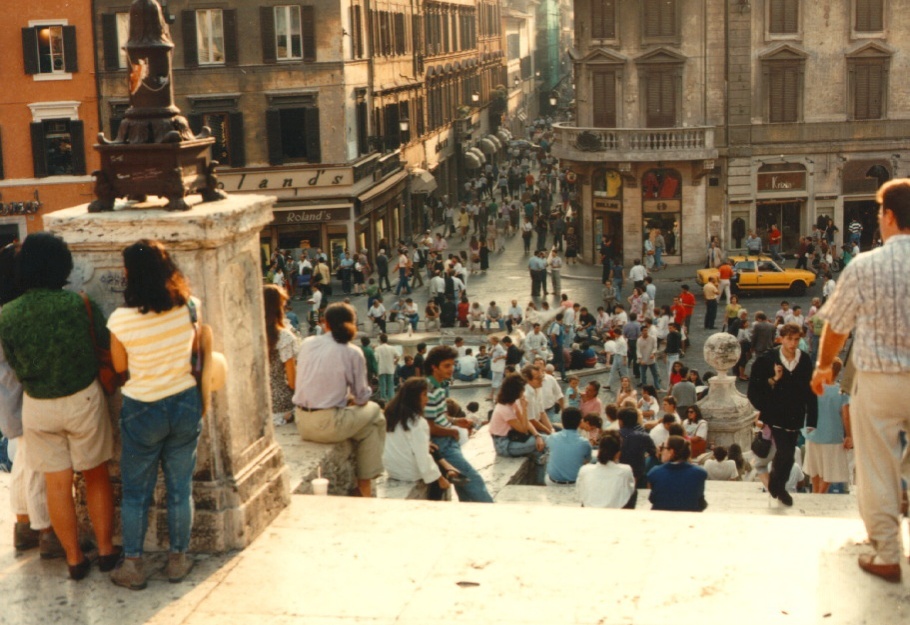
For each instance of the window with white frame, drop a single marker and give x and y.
(288, 33)
(210, 36)
(49, 49)
(123, 35)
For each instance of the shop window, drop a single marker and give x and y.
(115, 32)
(607, 183)
(49, 50)
(662, 208)
(603, 19)
(58, 148)
(293, 135)
(868, 16)
(783, 17)
(210, 37)
(603, 87)
(660, 20)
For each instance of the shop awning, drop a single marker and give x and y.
(504, 135)
(479, 155)
(487, 146)
(470, 160)
(422, 181)
(382, 192)
(495, 141)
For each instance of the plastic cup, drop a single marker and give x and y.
(320, 486)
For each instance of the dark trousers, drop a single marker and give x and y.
(710, 314)
(633, 357)
(535, 283)
(782, 464)
(542, 277)
(559, 362)
(384, 278)
(526, 239)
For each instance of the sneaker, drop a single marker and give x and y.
(178, 567)
(50, 546)
(130, 574)
(24, 537)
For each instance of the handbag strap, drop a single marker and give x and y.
(91, 318)
(196, 359)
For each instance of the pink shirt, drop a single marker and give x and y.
(499, 422)
(592, 406)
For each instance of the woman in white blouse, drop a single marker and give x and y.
(607, 484)
(406, 455)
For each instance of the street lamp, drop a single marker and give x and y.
(404, 125)
(553, 99)
(475, 97)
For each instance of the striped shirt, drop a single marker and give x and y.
(871, 299)
(437, 393)
(158, 347)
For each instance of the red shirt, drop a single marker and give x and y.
(725, 272)
(687, 299)
(679, 313)
(774, 236)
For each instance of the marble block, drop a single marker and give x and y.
(241, 481)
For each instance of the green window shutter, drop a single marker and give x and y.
(110, 42)
(313, 144)
(237, 147)
(39, 155)
(273, 136)
(70, 56)
(77, 136)
(229, 23)
(308, 25)
(30, 50)
(190, 45)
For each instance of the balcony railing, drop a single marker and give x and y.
(633, 144)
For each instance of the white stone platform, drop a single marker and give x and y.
(337, 561)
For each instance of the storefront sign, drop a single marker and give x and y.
(304, 178)
(311, 216)
(442, 144)
(607, 205)
(661, 206)
(782, 181)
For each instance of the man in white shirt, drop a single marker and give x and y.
(460, 347)
(647, 355)
(554, 401)
(514, 317)
(386, 357)
(661, 433)
(377, 313)
(638, 273)
(466, 366)
(536, 344)
(533, 393)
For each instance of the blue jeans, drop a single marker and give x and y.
(474, 489)
(617, 287)
(513, 449)
(618, 370)
(386, 386)
(402, 283)
(500, 322)
(166, 432)
(658, 252)
(466, 378)
(644, 374)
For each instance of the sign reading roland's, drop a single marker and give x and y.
(303, 178)
(317, 216)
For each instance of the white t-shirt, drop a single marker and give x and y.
(497, 359)
(605, 485)
(376, 312)
(406, 455)
(638, 273)
(385, 358)
(467, 365)
(659, 434)
(724, 471)
(551, 391)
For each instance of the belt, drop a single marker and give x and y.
(305, 409)
(560, 482)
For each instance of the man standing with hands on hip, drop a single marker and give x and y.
(870, 301)
(779, 389)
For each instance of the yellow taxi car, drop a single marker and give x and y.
(762, 273)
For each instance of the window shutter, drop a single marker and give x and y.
(110, 43)
(190, 48)
(869, 14)
(236, 144)
(77, 135)
(652, 18)
(308, 24)
(604, 86)
(400, 45)
(1, 157)
(39, 156)
(420, 123)
(229, 22)
(357, 31)
(784, 16)
(784, 93)
(313, 144)
(267, 32)
(603, 13)
(30, 50)
(70, 57)
(868, 90)
(661, 103)
(273, 136)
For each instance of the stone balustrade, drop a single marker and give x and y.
(633, 144)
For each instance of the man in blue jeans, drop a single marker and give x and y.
(444, 433)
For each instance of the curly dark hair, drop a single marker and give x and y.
(9, 290)
(404, 408)
(153, 281)
(45, 262)
(512, 388)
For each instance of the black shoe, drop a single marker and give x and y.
(79, 571)
(108, 562)
(785, 498)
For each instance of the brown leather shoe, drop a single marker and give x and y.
(888, 572)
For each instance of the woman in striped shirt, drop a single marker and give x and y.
(153, 337)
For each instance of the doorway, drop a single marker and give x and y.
(866, 211)
(608, 224)
(788, 217)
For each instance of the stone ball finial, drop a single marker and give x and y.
(722, 352)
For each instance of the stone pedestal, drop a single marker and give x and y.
(241, 482)
(727, 411)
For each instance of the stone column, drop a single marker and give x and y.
(727, 411)
(241, 481)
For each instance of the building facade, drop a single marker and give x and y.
(48, 107)
(334, 106)
(712, 118)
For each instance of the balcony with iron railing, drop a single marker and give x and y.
(633, 144)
